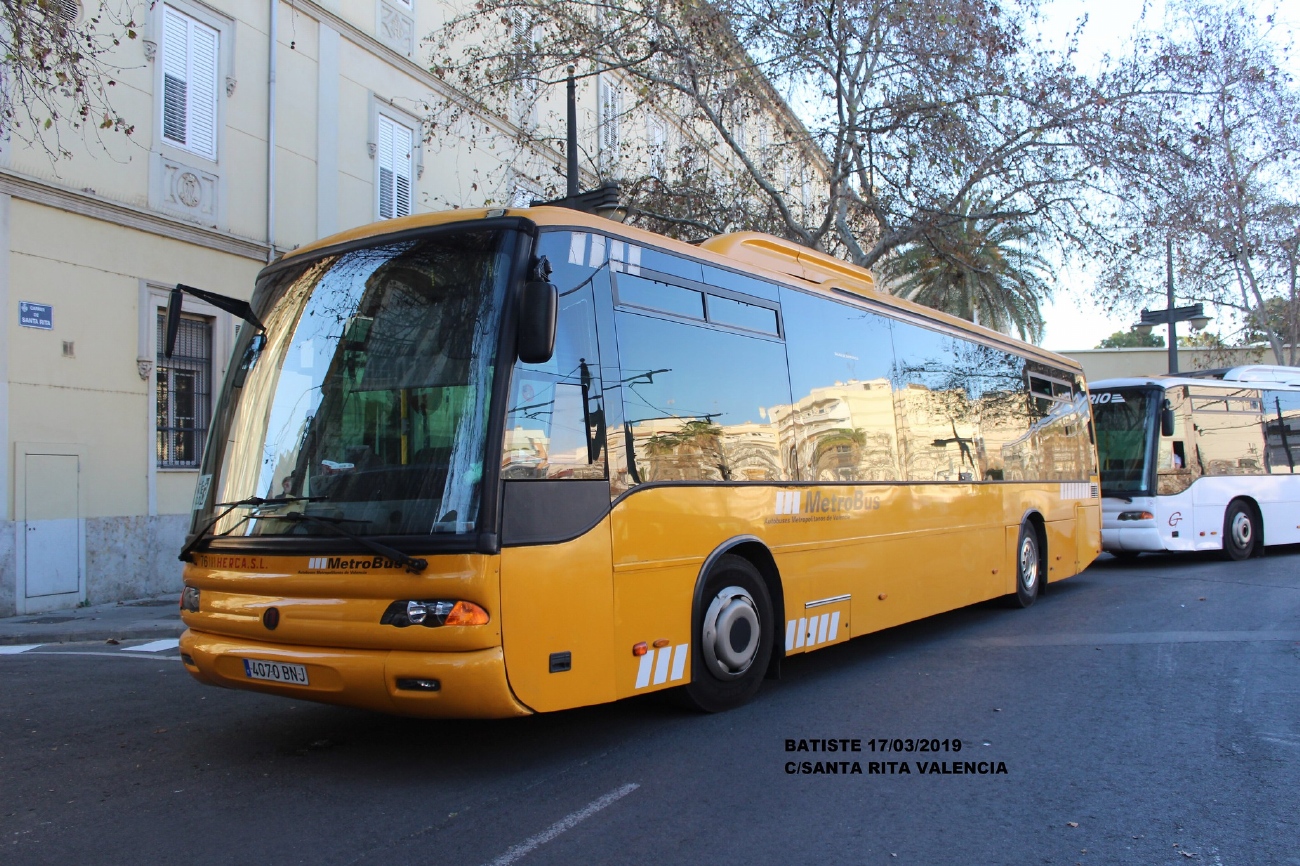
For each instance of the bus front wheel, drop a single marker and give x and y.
(1240, 531)
(731, 637)
(1029, 567)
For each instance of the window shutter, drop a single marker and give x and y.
(402, 141)
(395, 157)
(610, 109)
(190, 64)
(385, 157)
(175, 75)
(203, 89)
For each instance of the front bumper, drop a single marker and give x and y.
(473, 683)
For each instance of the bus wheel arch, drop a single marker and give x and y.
(738, 585)
(1243, 529)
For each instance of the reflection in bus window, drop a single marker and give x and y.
(1228, 426)
(1282, 431)
(555, 424)
(698, 402)
(841, 424)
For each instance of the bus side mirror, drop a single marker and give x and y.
(539, 303)
(1167, 420)
(174, 300)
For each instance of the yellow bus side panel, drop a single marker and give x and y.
(1088, 532)
(558, 598)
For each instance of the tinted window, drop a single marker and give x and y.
(936, 416)
(1282, 431)
(752, 317)
(554, 423)
(698, 403)
(1229, 432)
(734, 282)
(654, 295)
(841, 424)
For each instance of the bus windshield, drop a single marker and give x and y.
(364, 405)
(1125, 422)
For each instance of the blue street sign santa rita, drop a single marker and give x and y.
(36, 315)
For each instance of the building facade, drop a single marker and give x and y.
(258, 127)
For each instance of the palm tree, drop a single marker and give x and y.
(984, 270)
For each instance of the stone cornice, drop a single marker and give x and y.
(44, 192)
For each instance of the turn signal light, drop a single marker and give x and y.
(640, 649)
(466, 613)
(1136, 515)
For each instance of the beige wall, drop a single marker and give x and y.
(1101, 364)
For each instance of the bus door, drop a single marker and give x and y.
(556, 592)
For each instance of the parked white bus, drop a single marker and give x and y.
(1205, 461)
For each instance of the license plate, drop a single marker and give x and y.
(276, 672)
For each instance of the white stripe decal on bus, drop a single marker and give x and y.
(835, 625)
(789, 635)
(803, 633)
(821, 627)
(661, 669)
(643, 672)
(679, 661)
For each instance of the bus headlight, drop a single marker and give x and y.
(432, 613)
(1136, 515)
(190, 599)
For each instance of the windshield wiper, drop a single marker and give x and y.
(250, 502)
(413, 564)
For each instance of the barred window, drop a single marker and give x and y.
(184, 393)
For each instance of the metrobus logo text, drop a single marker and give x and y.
(820, 502)
(340, 563)
(1106, 397)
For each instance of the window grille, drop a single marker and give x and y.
(189, 99)
(184, 401)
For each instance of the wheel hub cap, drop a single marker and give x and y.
(730, 633)
(1241, 529)
(1029, 563)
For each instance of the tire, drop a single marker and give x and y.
(1029, 567)
(1241, 531)
(731, 638)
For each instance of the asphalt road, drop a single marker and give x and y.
(1146, 713)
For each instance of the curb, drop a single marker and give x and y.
(130, 632)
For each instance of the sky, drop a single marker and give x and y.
(1074, 318)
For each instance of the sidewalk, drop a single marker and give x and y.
(143, 618)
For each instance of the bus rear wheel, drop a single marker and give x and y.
(1240, 531)
(1029, 567)
(731, 637)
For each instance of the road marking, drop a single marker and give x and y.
(154, 646)
(566, 823)
(14, 650)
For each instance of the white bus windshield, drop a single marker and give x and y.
(1125, 421)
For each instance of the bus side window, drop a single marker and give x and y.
(841, 423)
(1229, 432)
(700, 404)
(555, 421)
(1282, 431)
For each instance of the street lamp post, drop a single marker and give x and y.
(604, 199)
(1194, 313)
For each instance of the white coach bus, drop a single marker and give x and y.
(1205, 461)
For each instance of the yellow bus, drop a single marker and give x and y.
(496, 462)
